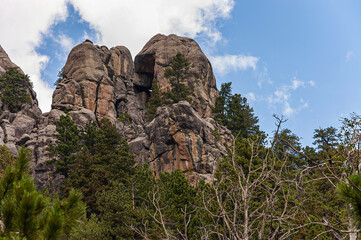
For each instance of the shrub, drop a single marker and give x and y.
(13, 89)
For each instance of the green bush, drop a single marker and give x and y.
(13, 89)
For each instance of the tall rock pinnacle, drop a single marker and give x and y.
(155, 57)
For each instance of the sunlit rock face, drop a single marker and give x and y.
(92, 79)
(5, 61)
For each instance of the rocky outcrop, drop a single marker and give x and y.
(99, 82)
(155, 57)
(179, 138)
(5, 61)
(17, 128)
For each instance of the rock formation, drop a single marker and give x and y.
(179, 138)
(5, 61)
(154, 58)
(99, 82)
(17, 128)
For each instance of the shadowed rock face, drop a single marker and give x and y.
(154, 58)
(100, 82)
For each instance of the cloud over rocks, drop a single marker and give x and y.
(23, 24)
(133, 22)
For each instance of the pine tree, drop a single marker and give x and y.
(13, 89)
(27, 214)
(67, 144)
(156, 100)
(177, 73)
(6, 159)
(221, 102)
(104, 158)
(350, 192)
(233, 111)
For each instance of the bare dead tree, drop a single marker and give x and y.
(256, 195)
(165, 227)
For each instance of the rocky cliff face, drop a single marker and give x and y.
(17, 128)
(154, 58)
(100, 82)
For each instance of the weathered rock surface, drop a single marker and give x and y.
(94, 78)
(179, 138)
(155, 57)
(5, 61)
(100, 82)
(19, 126)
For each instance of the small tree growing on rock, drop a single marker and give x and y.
(13, 89)
(176, 73)
(156, 100)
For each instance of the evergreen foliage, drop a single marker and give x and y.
(350, 192)
(27, 214)
(104, 159)
(67, 144)
(91, 159)
(6, 159)
(233, 111)
(177, 73)
(13, 89)
(326, 138)
(156, 100)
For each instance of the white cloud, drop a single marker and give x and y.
(23, 24)
(312, 83)
(133, 22)
(130, 23)
(288, 110)
(264, 77)
(297, 83)
(251, 97)
(65, 42)
(349, 55)
(283, 96)
(224, 64)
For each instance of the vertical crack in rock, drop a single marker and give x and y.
(97, 98)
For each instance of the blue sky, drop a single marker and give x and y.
(300, 58)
